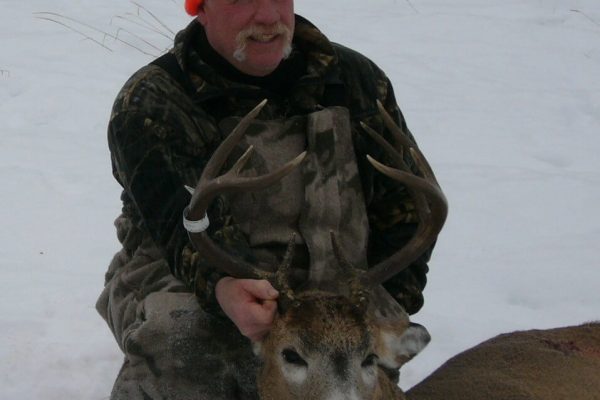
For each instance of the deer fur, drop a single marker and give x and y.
(336, 349)
(555, 364)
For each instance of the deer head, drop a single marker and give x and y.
(329, 342)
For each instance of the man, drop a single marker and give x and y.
(170, 311)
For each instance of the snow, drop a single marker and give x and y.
(503, 97)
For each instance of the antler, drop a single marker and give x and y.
(430, 202)
(211, 185)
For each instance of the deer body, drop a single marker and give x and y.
(555, 364)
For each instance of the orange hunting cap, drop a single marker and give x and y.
(192, 6)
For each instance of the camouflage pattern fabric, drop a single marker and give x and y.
(322, 195)
(333, 200)
(270, 216)
(160, 138)
(174, 349)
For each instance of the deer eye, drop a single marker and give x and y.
(292, 357)
(369, 361)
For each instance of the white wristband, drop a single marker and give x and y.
(195, 226)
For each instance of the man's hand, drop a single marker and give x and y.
(251, 305)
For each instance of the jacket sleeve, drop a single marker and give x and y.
(393, 220)
(157, 146)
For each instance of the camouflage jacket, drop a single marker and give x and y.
(161, 134)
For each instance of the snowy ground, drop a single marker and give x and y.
(503, 96)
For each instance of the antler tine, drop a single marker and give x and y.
(220, 155)
(211, 185)
(284, 270)
(283, 276)
(397, 156)
(355, 284)
(431, 204)
(412, 181)
(403, 140)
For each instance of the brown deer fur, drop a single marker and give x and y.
(554, 364)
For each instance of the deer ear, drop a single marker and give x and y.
(395, 347)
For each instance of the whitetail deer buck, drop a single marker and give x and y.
(329, 339)
(555, 364)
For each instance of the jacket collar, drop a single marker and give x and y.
(306, 93)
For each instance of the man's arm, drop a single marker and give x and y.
(154, 154)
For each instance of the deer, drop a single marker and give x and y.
(331, 343)
(329, 340)
(552, 364)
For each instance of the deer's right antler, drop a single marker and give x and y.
(211, 185)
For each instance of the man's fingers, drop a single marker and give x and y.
(261, 314)
(250, 304)
(261, 289)
(270, 310)
(270, 306)
(256, 322)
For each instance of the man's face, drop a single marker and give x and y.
(253, 35)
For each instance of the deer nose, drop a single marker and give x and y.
(340, 365)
